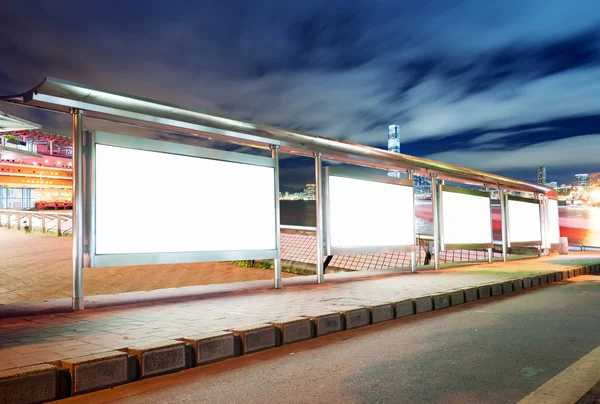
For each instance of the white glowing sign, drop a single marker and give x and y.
(368, 213)
(554, 229)
(150, 202)
(524, 223)
(467, 219)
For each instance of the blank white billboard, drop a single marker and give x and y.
(151, 202)
(367, 213)
(524, 223)
(466, 219)
(554, 229)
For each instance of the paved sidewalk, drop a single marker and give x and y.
(46, 338)
(37, 267)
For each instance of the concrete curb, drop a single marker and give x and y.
(98, 371)
(212, 347)
(160, 358)
(29, 384)
(256, 338)
(46, 382)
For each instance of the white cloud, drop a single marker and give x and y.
(564, 153)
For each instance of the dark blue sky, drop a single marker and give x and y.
(499, 86)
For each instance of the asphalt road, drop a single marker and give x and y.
(494, 351)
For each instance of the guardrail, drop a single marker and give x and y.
(60, 223)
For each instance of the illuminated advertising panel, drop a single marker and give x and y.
(553, 227)
(151, 206)
(524, 223)
(466, 218)
(370, 214)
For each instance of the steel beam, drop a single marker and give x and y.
(503, 211)
(277, 261)
(435, 206)
(319, 202)
(78, 209)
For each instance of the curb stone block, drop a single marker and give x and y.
(441, 301)
(558, 276)
(535, 281)
(381, 313)
(457, 298)
(160, 358)
(526, 283)
(496, 289)
(98, 371)
(357, 318)
(543, 279)
(517, 284)
(507, 287)
(405, 308)
(423, 304)
(256, 338)
(29, 384)
(484, 292)
(576, 272)
(470, 295)
(213, 347)
(327, 323)
(294, 330)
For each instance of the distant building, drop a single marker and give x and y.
(595, 180)
(422, 184)
(541, 175)
(552, 184)
(394, 147)
(310, 191)
(582, 180)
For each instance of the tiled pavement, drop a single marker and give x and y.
(47, 338)
(36, 267)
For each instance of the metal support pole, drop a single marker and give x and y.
(504, 212)
(78, 209)
(319, 202)
(413, 253)
(435, 205)
(277, 261)
(43, 223)
(491, 249)
(545, 224)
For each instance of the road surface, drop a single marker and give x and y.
(500, 350)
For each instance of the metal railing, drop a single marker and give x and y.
(60, 223)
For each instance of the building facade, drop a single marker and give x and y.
(541, 175)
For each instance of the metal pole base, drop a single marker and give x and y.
(277, 283)
(413, 262)
(490, 255)
(77, 303)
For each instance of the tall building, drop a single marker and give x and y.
(582, 180)
(541, 175)
(394, 147)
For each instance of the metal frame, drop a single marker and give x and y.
(277, 282)
(320, 267)
(104, 260)
(535, 243)
(79, 228)
(355, 174)
(182, 127)
(435, 206)
(186, 126)
(464, 191)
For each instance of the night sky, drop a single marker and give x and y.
(501, 86)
